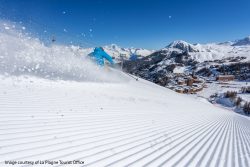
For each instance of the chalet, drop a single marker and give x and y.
(198, 81)
(188, 90)
(197, 88)
(190, 81)
(179, 90)
(187, 84)
(225, 78)
(181, 82)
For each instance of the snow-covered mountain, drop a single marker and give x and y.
(210, 51)
(242, 42)
(117, 51)
(188, 57)
(181, 45)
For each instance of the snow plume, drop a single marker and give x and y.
(21, 54)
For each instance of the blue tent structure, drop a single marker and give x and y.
(99, 55)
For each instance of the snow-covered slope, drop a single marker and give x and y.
(133, 123)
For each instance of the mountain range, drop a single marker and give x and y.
(116, 51)
(183, 57)
(197, 52)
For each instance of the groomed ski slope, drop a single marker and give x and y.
(130, 123)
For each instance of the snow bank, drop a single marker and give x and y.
(21, 54)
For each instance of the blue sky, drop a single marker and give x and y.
(149, 24)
